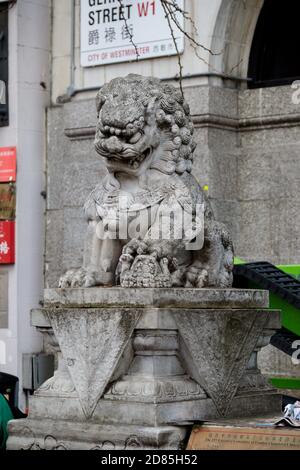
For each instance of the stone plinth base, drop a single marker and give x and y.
(136, 366)
(69, 435)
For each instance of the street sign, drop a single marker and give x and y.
(7, 201)
(235, 437)
(7, 242)
(107, 27)
(7, 164)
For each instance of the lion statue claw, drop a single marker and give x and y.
(150, 224)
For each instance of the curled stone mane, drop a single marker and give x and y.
(127, 104)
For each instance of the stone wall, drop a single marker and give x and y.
(269, 175)
(247, 154)
(273, 362)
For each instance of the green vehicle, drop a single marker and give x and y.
(283, 283)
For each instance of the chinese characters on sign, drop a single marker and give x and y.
(7, 204)
(7, 242)
(108, 28)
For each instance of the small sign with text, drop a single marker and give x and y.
(7, 164)
(120, 30)
(7, 242)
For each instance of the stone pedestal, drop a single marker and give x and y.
(136, 367)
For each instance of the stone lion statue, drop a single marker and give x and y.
(149, 223)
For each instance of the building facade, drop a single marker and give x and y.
(28, 96)
(247, 151)
(246, 116)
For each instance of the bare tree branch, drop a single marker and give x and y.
(172, 8)
(176, 47)
(236, 66)
(172, 14)
(137, 55)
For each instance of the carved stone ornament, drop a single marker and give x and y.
(220, 344)
(90, 338)
(149, 205)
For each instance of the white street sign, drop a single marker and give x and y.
(106, 27)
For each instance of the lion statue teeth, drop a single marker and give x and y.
(149, 223)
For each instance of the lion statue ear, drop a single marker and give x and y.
(150, 106)
(100, 100)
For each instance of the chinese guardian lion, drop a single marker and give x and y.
(149, 223)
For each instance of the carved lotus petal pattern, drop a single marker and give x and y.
(220, 344)
(92, 342)
(159, 390)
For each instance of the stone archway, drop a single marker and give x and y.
(233, 34)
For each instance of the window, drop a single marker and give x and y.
(274, 58)
(4, 64)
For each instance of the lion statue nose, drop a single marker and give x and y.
(113, 145)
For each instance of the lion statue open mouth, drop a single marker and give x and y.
(150, 225)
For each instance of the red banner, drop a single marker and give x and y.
(8, 164)
(7, 242)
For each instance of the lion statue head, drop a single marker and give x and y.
(144, 124)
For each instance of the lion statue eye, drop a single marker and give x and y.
(135, 138)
